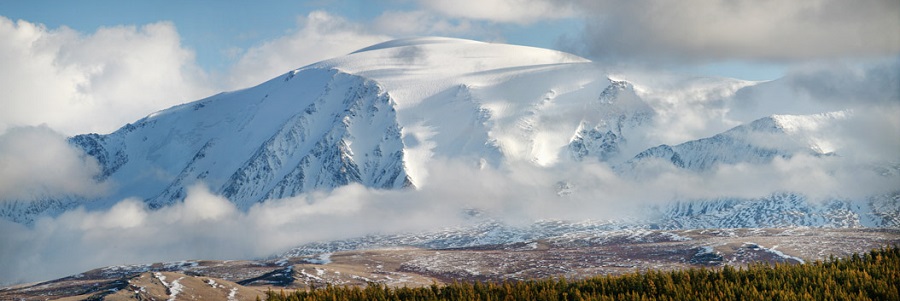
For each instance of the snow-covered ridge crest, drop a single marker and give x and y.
(507, 102)
(306, 130)
(415, 41)
(340, 130)
(391, 52)
(813, 128)
(760, 141)
(798, 123)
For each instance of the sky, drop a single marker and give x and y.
(72, 67)
(91, 66)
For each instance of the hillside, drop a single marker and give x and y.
(869, 276)
(580, 256)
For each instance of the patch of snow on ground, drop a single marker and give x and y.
(232, 295)
(175, 289)
(751, 245)
(162, 278)
(782, 255)
(361, 278)
(125, 269)
(676, 237)
(180, 265)
(308, 275)
(212, 283)
(706, 250)
(324, 258)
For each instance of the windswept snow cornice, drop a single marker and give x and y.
(415, 41)
(431, 58)
(809, 123)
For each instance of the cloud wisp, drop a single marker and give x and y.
(38, 163)
(503, 11)
(703, 31)
(110, 77)
(318, 36)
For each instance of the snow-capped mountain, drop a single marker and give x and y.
(381, 115)
(618, 109)
(374, 117)
(322, 129)
(757, 142)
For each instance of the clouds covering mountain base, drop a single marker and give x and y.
(208, 226)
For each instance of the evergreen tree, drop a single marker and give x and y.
(871, 276)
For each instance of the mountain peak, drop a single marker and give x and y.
(432, 58)
(806, 123)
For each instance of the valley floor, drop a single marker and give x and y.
(572, 255)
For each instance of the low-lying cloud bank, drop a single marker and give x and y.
(208, 226)
(37, 162)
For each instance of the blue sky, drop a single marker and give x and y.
(64, 59)
(210, 28)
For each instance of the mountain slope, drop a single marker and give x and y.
(375, 117)
(275, 140)
(310, 129)
(757, 142)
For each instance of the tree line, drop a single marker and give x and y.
(868, 276)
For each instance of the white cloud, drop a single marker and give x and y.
(871, 137)
(506, 11)
(700, 30)
(319, 36)
(79, 83)
(207, 226)
(686, 107)
(420, 22)
(849, 85)
(689, 108)
(203, 226)
(36, 162)
(819, 88)
(819, 178)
